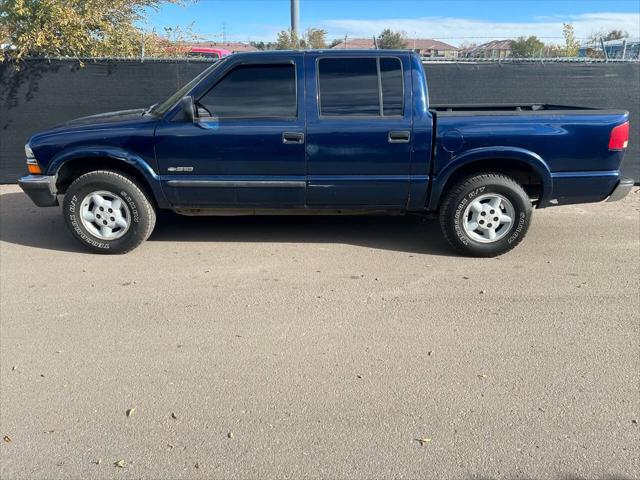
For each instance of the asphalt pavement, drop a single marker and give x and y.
(320, 347)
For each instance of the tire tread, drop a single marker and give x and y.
(456, 191)
(149, 210)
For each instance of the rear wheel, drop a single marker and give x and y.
(485, 215)
(108, 212)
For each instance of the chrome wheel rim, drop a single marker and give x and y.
(105, 215)
(488, 218)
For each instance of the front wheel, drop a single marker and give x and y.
(485, 215)
(108, 212)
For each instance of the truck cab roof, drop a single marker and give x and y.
(327, 51)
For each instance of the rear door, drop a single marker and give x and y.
(359, 130)
(247, 147)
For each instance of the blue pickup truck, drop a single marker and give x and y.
(317, 132)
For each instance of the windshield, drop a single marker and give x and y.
(162, 108)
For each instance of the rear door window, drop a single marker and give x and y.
(360, 86)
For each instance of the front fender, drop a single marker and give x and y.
(113, 153)
(88, 152)
(532, 159)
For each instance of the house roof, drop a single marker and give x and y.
(428, 44)
(356, 43)
(420, 44)
(492, 45)
(231, 46)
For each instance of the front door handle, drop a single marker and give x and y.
(403, 136)
(293, 137)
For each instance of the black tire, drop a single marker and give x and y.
(142, 216)
(463, 193)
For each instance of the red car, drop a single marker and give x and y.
(209, 52)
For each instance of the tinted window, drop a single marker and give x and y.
(392, 92)
(349, 86)
(254, 91)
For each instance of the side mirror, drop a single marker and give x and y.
(189, 108)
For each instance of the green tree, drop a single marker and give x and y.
(389, 39)
(528, 47)
(287, 40)
(571, 45)
(312, 38)
(75, 28)
(316, 38)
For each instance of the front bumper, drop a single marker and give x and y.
(623, 187)
(41, 189)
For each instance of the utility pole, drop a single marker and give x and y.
(295, 18)
(142, 49)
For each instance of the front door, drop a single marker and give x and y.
(246, 148)
(359, 131)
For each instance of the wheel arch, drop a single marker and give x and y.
(72, 164)
(526, 167)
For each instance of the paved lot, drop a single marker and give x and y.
(321, 347)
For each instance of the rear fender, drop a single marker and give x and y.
(479, 155)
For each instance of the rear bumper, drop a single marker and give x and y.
(41, 189)
(623, 187)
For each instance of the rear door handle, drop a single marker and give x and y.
(399, 136)
(293, 137)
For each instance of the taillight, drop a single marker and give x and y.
(619, 138)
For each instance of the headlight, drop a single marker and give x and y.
(28, 152)
(32, 164)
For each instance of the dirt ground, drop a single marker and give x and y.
(264, 347)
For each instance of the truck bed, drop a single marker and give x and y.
(514, 109)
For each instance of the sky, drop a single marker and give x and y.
(453, 21)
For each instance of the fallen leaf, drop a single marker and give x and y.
(119, 464)
(359, 376)
(131, 411)
(173, 415)
(423, 441)
(7, 439)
